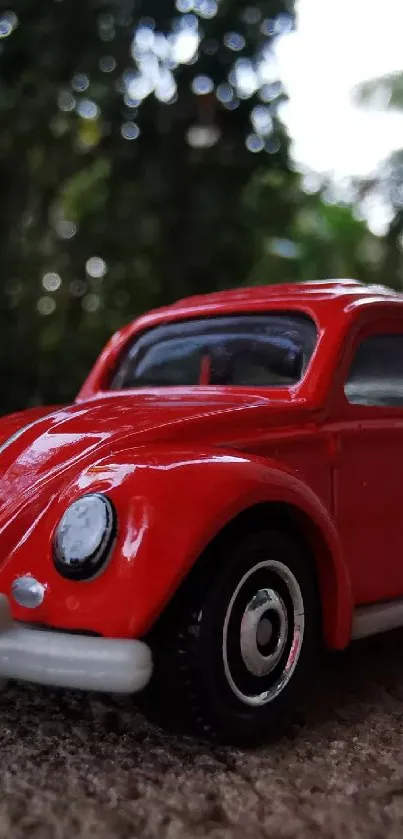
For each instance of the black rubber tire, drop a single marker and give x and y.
(189, 686)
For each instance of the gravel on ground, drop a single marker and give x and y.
(75, 766)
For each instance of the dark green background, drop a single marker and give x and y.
(167, 218)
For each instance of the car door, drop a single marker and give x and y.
(368, 469)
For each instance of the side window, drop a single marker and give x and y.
(376, 374)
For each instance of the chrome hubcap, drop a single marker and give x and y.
(267, 629)
(264, 631)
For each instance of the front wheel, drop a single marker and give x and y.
(242, 640)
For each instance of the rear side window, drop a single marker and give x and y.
(376, 374)
(265, 350)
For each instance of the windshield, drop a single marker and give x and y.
(263, 350)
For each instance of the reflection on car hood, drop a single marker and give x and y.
(86, 431)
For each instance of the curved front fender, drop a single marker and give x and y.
(171, 504)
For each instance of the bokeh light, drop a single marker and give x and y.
(91, 302)
(107, 64)
(65, 229)
(96, 267)
(203, 136)
(234, 41)
(8, 22)
(77, 288)
(261, 120)
(87, 109)
(202, 85)
(130, 131)
(51, 281)
(254, 143)
(80, 82)
(46, 305)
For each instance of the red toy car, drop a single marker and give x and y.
(224, 494)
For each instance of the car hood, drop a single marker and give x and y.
(71, 437)
(57, 446)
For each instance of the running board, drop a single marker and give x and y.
(377, 618)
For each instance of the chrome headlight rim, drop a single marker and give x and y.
(91, 566)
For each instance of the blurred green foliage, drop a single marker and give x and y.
(142, 158)
(386, 185)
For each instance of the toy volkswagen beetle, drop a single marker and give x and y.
(224, 493)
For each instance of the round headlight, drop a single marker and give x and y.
(84, 537)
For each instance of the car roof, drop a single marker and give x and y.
(315, 296)
(345, 291)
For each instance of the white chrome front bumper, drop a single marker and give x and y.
(61, 659)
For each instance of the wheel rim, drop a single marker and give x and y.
(263, 633)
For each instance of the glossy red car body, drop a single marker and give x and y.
(181, 463)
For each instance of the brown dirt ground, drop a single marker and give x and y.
(82, 766)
